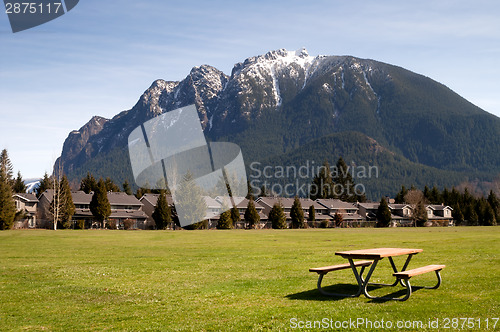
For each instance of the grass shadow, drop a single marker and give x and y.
(401, 292)
(315, 295)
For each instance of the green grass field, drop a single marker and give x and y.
(234, 280)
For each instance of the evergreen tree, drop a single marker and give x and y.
(420, 213)
(88, 184)
(467, 198)
(162, 214)
(251, 215)
(45, 183)
(111, 186)
(7, 204)
(434, 196)
(400, 196)
(383, 214)
(225, 221)
(126, 188)
(312, 214)
(7, 168)
(489, 218)
(343, 183)
(263, 192)
(19, 186)
(427, 194)
(446, 197)
(471, 215)
(297, 214)
(322, 183)
(141, 191)
(457, 214)
(360, 197)
(235, 215)
(99, 205)
(495, 204)
(456, 198)
(67, 209)
(277, 217)
(250, 191)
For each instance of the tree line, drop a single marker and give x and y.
(467, 208)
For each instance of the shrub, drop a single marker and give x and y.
(80, 224)
(199, 225)
(111, 224)
(323, 224)
(128, 224)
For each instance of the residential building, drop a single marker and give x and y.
(27, 205)
(241, 204)
(126, 207)
(439, 215)
(321, 212)
(123, 207)
(349, 211)
(149, 202)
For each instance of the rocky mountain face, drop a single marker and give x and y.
(275, 103)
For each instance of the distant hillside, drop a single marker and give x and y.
(376, 169)
(284, 106)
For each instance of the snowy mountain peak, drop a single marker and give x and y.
(281, 55)
(302, 53)
(274, 67)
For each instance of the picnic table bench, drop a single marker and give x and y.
(371, 257)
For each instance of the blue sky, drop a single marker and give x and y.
(100, 57)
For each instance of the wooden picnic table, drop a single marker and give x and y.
(371, 257)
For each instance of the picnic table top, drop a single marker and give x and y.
(377, 253)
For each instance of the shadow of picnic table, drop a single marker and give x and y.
(315, 295)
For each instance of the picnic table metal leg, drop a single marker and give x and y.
(358, 278)
(404, 269)
(404, 283)
(394, 268)
(438, 275)
(366, 283)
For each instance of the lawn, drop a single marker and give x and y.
(234, 280)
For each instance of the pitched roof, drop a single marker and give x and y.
(27, 197)
(369, 205)
(288, 202)
(211, 202)
(153, 199)
(398, 206)
(48, 193)
(80, 197)
(239, 201)
(122, 199)
(439, 207)
(133, 214)
(331, 203)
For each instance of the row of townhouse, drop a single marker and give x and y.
(37, 210)
(140, 211)
(437, 215)
(353, 214)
